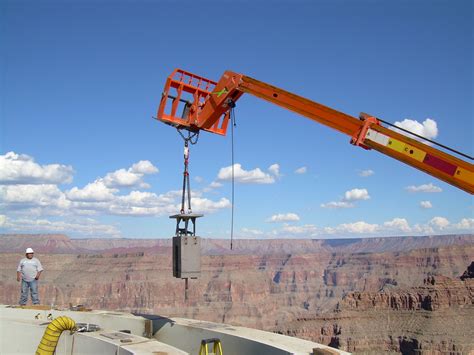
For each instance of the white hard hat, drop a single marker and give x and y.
(29, 251)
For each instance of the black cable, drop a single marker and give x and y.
(233, 124)
(426, 139)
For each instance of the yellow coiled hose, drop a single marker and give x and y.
(50, 339)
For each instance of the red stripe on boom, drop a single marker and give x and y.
(440, 164)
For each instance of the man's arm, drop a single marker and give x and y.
(39, 269)
(18, 272)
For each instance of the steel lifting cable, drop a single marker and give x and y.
(186, 180)
(190, 137)
(233, 124)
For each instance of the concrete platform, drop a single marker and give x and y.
(21, 330)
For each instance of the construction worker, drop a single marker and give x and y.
(28, 272)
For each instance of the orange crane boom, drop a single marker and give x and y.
(206, 105)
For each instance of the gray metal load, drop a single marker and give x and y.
(187, 257)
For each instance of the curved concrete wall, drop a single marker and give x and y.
(22, 329)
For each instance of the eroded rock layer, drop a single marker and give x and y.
(365, 295)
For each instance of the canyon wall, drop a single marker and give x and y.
(347, 293)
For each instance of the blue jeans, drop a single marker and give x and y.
(29, 285)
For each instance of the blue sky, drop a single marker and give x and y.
(81, 80)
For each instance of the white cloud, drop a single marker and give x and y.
(423, 229)
(255, 176)
(204, 205)
(101, 195)
(96, 197)
(424, 188)
(138, 211)
(426, 204)
(36, 194)
(274, 169)
(144, 167)
(366, 173)
(22, 169)
(356, 195)
(398, 224)
(131, 177)
(309, 230)
(199, 179)
(439, 222)
(427, 129)
(87, 227)
(141, 198)
(442, 224)
(139, 203)
(465, 224)
(27, 196)
(212, 186)
(341, 230)
(283, 217)
(337, 204)
(94, 191)
(251, 232)
(349, 197)
(29, 203)
(122, 178)
(215, 185)
(357, 227)
(301, 170)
